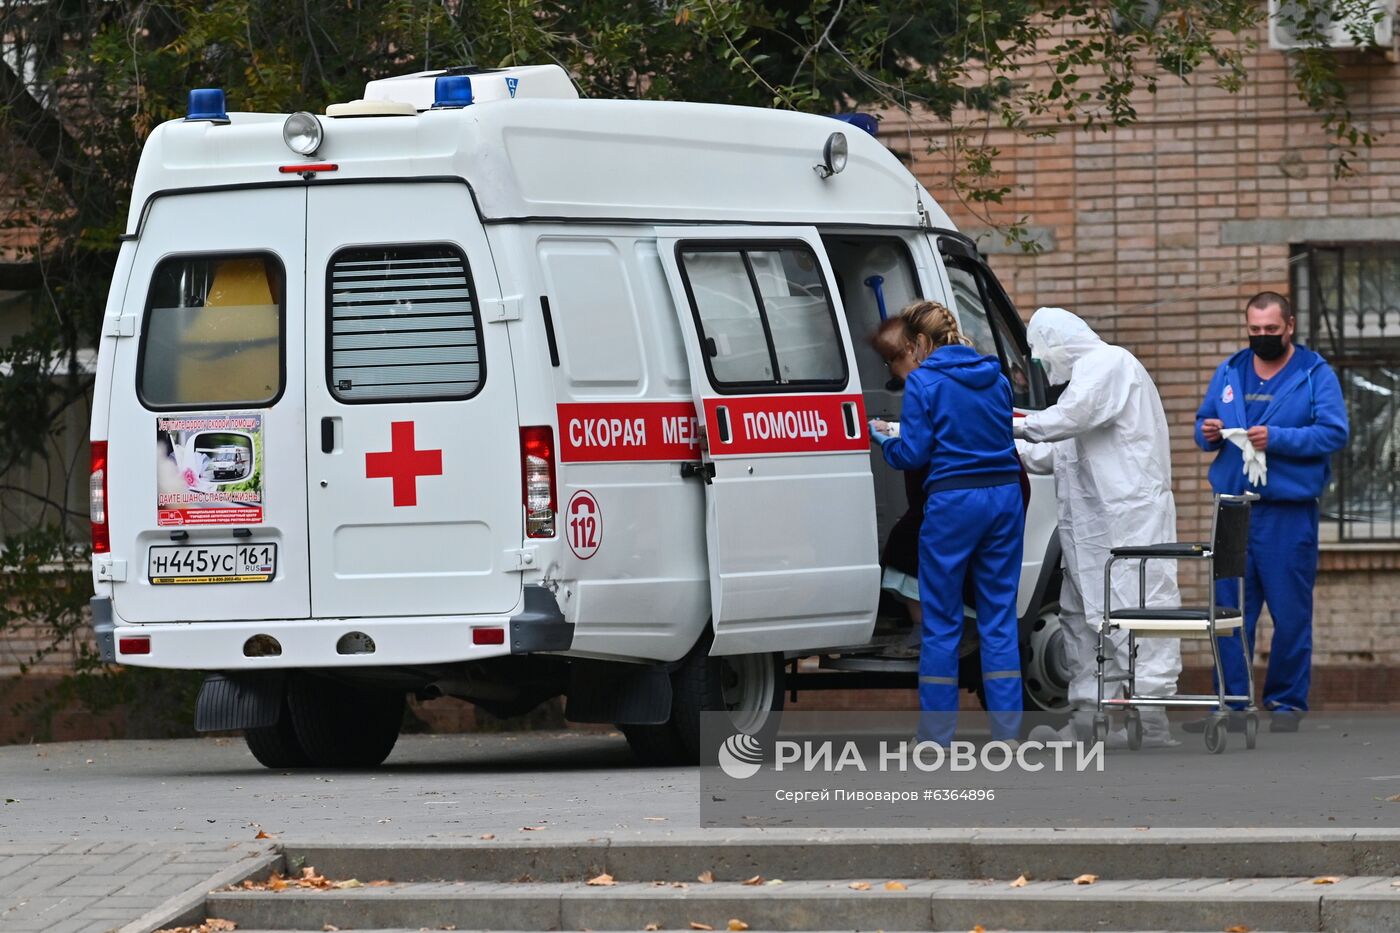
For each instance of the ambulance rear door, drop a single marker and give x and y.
(206, 456)
(790, 511)
(413, 439)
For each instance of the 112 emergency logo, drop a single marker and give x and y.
(583, 524)
(1228, 395)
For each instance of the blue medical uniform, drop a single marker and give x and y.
(956, 420)
(1303, 408)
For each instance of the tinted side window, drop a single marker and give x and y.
(213, 333)
(403, 325)
(765, 317)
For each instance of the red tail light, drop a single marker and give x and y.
(537, 480)
(97, 499)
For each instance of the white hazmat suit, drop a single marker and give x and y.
(1107, 443)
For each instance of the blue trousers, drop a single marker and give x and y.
(1280, 570)
(978, 532)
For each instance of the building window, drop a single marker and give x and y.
(1347, 299)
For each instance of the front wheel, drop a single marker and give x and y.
(1045, 672)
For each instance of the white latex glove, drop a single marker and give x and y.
(1018, 427)
(1256, 465)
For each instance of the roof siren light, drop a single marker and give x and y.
(451, 92)
(207, 105)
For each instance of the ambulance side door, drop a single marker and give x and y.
(790, 511)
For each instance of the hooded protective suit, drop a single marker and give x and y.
(1107, 443)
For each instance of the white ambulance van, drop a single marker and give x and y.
(475, 388)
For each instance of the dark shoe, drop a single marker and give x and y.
(1197, 726)
(1285, 720)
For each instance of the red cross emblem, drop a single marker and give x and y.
(403, 464)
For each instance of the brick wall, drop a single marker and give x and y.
(1159, 232)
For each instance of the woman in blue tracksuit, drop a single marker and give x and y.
(956, 420)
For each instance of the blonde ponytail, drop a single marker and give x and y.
(935, 322)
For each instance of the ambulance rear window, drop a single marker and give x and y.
(765, 317)
(213, 333)
(403, 325)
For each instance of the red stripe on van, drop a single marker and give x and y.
(785, 424)
(610, 432)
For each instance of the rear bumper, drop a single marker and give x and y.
(316, 643)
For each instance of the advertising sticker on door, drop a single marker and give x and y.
(209, 469)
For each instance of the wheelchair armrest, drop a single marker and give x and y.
(1169, 550)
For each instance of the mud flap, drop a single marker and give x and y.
(625, 694)
(245, 701)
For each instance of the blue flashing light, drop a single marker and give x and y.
(452, 91)
(207, 103)
(862, 121)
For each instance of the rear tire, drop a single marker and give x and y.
(342, 725)
(749, 687)
(276, 746)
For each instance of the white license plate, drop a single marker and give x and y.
(218, 563)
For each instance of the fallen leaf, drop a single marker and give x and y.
(1326, 879)
(1020, 882)
(700, 926)
(1237, 928)
(487, 836)
(531, 829)
(978, 928)
(380, 884)
(1086, 879)
(1393, 798)
(330, 928)
(755, 880)
(773, 881)
(706, 877)
(348, 883)
(602, 881)
(652, 927)
(859, 885)
(262, 835)
(737, 925)
(895, 886)
(679, 884)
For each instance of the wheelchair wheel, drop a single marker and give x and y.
(1100, 728)
(1215, 735)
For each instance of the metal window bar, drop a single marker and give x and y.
(1348, 303)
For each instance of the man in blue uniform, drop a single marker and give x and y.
(1284, 401)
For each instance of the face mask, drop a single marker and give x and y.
(1057, 363)
(1267, 347)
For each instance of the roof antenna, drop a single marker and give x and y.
(925, 222)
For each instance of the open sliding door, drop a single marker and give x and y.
(790, 511)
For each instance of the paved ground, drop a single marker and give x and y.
(126, 824)
(91, 887)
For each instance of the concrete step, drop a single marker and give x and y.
(1171, 903)
(1112, 855)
